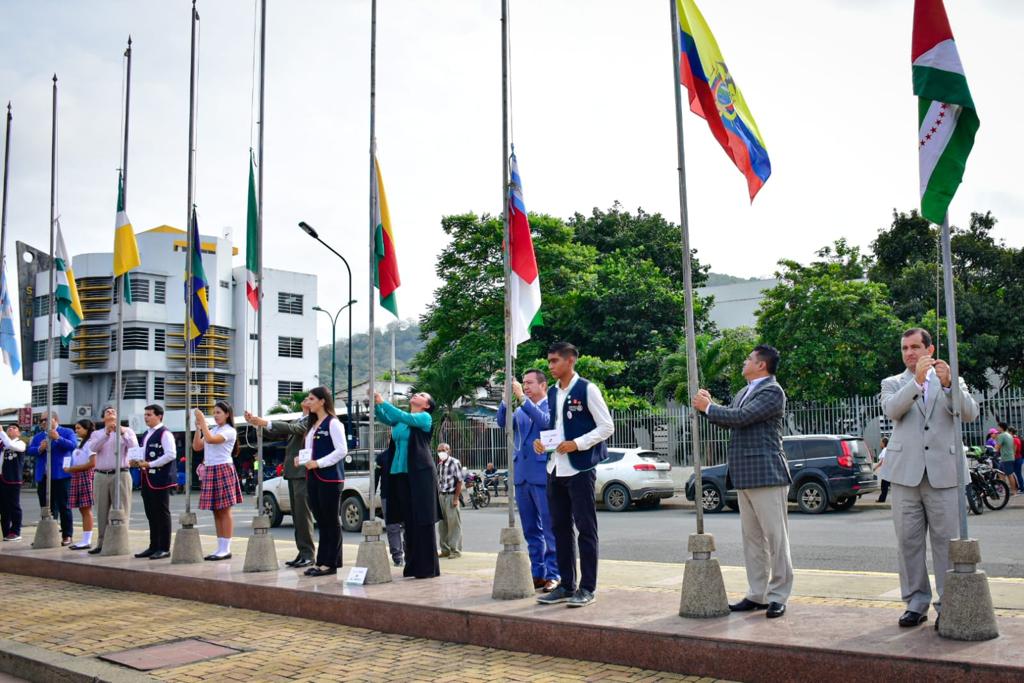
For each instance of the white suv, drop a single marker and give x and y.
(631, 475)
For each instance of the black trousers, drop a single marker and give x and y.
(885, 491)
(60, 495)
(158, 512)
(571, 502)
(325, 503)
(420, 540)
(10, 509)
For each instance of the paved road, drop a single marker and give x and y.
(860, 539)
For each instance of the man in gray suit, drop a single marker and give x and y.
(920, 464)
(298, 499)
(760, 475)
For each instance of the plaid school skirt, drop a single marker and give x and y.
(220, 487)
(81, 490)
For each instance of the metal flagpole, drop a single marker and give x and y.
(53, 299)
(120, 285)
(259, 264)
(190, 211)
(394, 331)
(371, 447)
(954, 371)
(3, 202)
(703, 590)
(507, 263)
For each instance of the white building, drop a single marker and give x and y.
(153, 357)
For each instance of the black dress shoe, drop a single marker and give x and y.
(302, 562)
(160, 555)
(937, 617)
(911, 618)
(145, 553)
(745, 605)
(96, 550)
(775, 610)
(217, 558)
(292, 563)
(316, 571)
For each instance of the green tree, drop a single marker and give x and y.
(719, 362)
(835, 335)
(603, 373)
(446, 383)
(291, 404)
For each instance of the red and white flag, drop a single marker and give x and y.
(525, 281)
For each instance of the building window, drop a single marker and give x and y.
(60, 394)
(133, 386)
(159, 292)
(225, 284)
(253, 382)
(289, 303)
(39, 350)
(159, 340)
(140, 290)
(253, 336)
(289, 347)
(41, 306)
(135, 339)
(286, 389)
(158, 388)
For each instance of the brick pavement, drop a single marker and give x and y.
(85, 621)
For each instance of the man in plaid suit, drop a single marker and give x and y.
(760, 475)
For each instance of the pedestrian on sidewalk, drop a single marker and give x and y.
(1006, 450)
(59, 442)
(531, 476)
(324, 450)
(221, 489)
(1018, 460)
(878, 465)
(410, 478)
(12, 468)
(108, 448)
(760, 474)
(578, 413)
(449, 483)
(921, 468)
(394, 530)
(295, 475)
(83, 463)
(157, 468)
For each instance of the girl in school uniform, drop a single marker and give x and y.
(221, 489)
(82, 465)
(326, 447)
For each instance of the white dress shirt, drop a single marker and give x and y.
(16, 445)
(167, 441)
(337, 432)
(559, 462)
(104, 445)
(220, 453)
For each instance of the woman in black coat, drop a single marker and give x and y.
(409, 479)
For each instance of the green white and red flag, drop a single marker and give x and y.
(252, 241)
(947, 119)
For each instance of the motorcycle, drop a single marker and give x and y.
(986, 489)
(478, 495)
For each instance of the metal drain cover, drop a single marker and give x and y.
(169, 654)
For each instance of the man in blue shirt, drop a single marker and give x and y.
(531, 476)
(59, 442)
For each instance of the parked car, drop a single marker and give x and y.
(354, 496)
(827, 470)
(633, 475)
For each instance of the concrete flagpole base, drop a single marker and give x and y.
(373, 553)
(967, 612)
(260, 553)
(187, 548)
(513, 579)
(47, 532)
(703, 594)
(115, 537)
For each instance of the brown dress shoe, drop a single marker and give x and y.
(538, 583)
(550, 585)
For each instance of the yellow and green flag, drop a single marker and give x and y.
(126, 249)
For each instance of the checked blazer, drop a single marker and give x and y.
(755, 455)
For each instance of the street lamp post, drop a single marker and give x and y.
(334, 336)
(308, 229)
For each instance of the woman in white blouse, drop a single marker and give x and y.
(325, 448)
(220, 489)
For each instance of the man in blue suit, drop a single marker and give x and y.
(531, 476)
(59, 442)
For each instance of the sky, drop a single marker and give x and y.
(828, 82)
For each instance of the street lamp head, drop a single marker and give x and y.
(317, 308)
(309, 229)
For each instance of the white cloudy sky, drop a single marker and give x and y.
(828, 81)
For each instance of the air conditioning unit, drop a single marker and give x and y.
(83, 411)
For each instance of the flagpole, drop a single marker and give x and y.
(954, 371)
(53, 301)
(703, 590)
(3, 202)
(371, 449)
(119, 284)
(507, 266)
(259, 264)
(190, 210)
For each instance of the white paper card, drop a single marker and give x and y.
(67, 461)
(305, 455)
(356, 576)
(550, 438)
(136, 453)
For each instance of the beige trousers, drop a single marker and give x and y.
(103, 491)
(764, 521)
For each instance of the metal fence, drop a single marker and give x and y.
(477, 441)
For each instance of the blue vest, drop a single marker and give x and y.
(159, 478)
(11, 472)
(577, 421)
(323, 446)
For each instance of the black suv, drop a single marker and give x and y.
(826, 470)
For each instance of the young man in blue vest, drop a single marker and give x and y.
(531, 475)
(577, 411)
(159, 476)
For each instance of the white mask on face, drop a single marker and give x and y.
(442, 455)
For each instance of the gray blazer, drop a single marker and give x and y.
(756, 458)
(922, 437)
